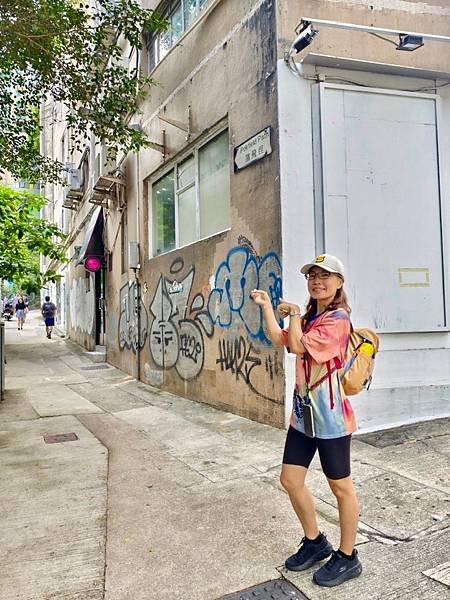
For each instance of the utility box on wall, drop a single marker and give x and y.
(133, 255)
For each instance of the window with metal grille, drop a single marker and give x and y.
(180, 14)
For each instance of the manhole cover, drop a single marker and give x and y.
(95, 367)
(278, 589)
(60, 437)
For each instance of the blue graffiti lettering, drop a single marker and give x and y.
(230, 302)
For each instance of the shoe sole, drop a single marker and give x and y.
(350, 574)
(312, 561)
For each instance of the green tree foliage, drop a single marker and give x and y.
(69, 52)
(23, 237)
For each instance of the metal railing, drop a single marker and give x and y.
(2, 359)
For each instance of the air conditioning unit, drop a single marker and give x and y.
(74, 180)
(105, 163)
(74, 177)
(73, 191)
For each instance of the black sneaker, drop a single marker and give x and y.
(338, 569)
(309, 553)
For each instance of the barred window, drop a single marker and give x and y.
(180, 14)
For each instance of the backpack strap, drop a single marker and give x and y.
(348, 366)
(330, 385)
(338, 363)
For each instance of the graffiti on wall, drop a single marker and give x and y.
(240, 357)
(128, 321)
(176, 333)
(230, 302)
(82, 304)
(182, 316)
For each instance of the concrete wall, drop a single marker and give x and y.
(215, 351)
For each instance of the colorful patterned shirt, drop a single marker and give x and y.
(325, 337)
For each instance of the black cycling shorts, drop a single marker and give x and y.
(334, 453)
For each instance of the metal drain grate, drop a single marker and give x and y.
(95, 368)
(278, 589)
(60, 437)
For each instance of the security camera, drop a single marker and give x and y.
(304, 38)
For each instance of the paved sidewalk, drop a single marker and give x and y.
(164, 497)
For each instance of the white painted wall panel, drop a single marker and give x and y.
(382, 204)
(297, 195)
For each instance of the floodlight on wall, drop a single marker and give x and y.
(304, 38)
(409, 42)
(308, 29)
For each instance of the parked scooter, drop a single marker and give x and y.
(8, 311)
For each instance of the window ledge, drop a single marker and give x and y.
(203, 239)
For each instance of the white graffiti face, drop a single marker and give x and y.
(164, 343)
(128, 322)
(230, 301)
(174, 340)
(82, 306)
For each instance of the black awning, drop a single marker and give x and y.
(93, 240)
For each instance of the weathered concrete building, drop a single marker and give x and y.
(260, 161)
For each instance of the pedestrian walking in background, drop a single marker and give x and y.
(322, 418)
(48, 311)
(20, 310)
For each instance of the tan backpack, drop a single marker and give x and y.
(356, 374)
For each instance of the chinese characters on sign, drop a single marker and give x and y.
(253, 149)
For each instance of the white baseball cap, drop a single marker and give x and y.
(328, 262)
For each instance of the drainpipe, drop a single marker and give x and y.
(138, 252)
(136, 271)
(138, 308)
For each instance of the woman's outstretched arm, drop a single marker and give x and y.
(261, 298)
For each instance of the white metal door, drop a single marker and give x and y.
(381, 204)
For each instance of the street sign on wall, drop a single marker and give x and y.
(253, 149)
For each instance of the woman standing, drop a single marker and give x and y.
(322, 418)
(20, 308)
